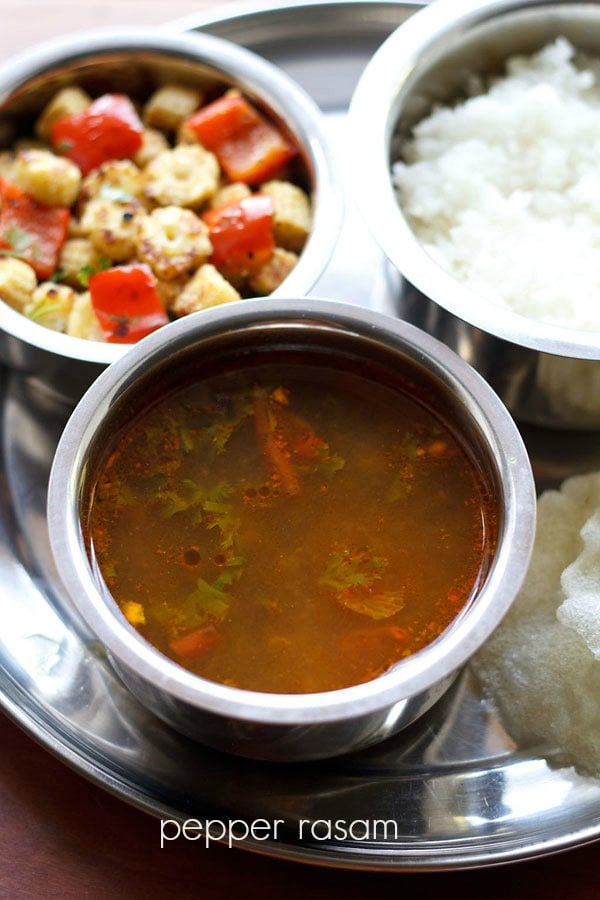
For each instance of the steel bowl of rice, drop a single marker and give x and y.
(478, 138)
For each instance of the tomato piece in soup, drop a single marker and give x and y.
(196, 643)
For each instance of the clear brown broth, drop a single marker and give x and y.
(290, 528)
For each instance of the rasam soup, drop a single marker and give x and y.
(293, 524)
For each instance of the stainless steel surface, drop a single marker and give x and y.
(292, 727)
(547, 375)
(137, 60)
(459, 791)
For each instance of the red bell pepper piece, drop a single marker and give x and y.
(241, 234)
(248, 147)
(31, 231)
(126, 303)
(196, 643)
(109, 128)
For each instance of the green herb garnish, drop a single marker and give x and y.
(84, 274)
(400, 488)
(354, 576)
(41, 310)
(329, 463)
(374, 604)
(222, 430)
(209, 604)
(348, 569)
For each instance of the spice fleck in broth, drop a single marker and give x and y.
(289, 527)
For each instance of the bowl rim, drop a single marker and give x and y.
(373, 117)
(257, 76)
(426, 668)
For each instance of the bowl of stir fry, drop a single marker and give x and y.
(144, 177)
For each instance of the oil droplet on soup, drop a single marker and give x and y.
(290, 527)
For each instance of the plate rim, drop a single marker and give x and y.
(46, 730)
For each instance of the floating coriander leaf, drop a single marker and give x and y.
(349, 568)
(210, 604)
(367, 601)
(400, 488)
(186, 438)
(221, 491)
(173, 503)
(109, 570)
(329, 463)
(226, 521)
(354, 574)
(229, 421)
(232, 572)
(152, 485)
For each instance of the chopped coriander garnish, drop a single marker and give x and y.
(354, 575)
(350, 568)
(84, 274)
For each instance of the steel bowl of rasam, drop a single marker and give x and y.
(290, 523)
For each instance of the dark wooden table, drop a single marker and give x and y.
(62, 837)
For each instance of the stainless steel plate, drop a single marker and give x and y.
(459, 790)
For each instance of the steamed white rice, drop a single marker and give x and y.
(503, 190)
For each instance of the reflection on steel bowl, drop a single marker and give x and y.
(290, 717)
(546, 373)
(167, 220)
